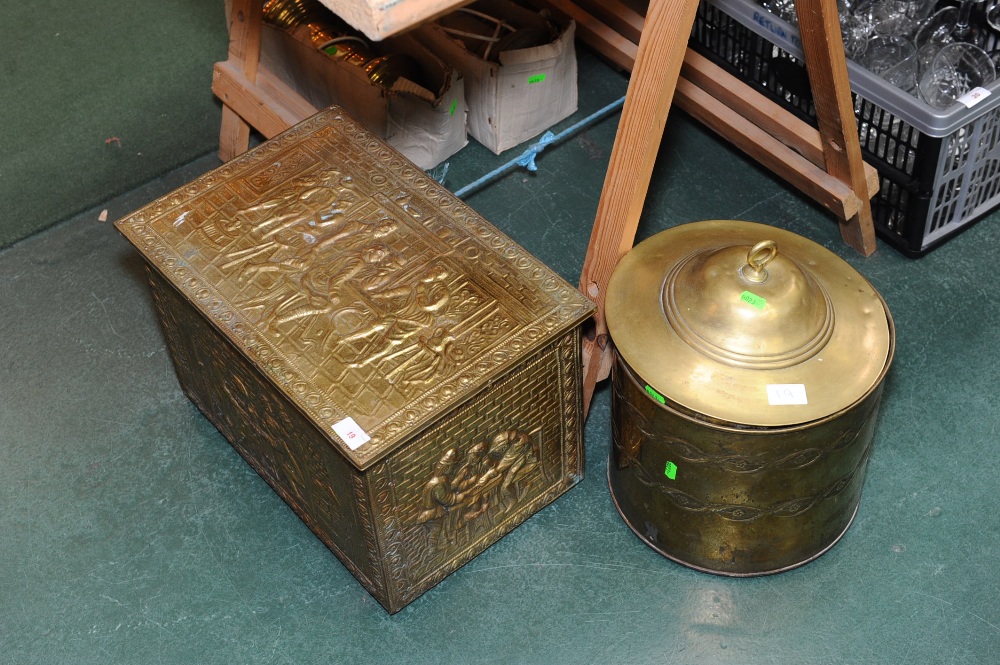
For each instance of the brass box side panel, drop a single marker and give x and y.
(359, 286)
(388, 524)
(481, 471)
(279, 442)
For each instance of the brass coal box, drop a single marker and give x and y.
(403, 375)
(749, 369)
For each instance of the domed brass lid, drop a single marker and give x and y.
(747, 323)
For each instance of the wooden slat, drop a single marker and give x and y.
(268, 104)
(379, 19)
(644, 115)
(823, 46)
(245, 18)
(834, 195)
(766, 114)
(839, 156)
(616, 15)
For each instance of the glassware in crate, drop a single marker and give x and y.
(939, 169)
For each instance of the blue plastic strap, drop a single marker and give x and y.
(527, 158)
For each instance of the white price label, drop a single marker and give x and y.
(786, 394)
(974, 96)
(351, 433)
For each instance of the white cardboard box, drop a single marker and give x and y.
(526, 93)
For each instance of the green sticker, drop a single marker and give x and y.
(655, 395)
(454, 105)
(537, 78)
(753, 299)
(670, 471)
(331, 49)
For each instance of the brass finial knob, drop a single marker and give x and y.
(757, 258)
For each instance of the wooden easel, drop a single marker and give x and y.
(824, 163)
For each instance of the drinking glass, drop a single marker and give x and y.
(956, 69)
(951, 24)
(893, 17)
(885, 52)
(904, 74)
(993, 15)
(880, 24)
(783, 9)
(855, 33)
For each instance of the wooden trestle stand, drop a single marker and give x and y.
(824, 163)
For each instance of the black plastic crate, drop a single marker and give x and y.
(939, 170)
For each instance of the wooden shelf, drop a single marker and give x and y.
(379, 19)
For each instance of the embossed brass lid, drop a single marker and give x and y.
(369, 295)
(748, 324)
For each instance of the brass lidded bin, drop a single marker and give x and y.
(748, 373)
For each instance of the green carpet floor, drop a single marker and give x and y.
(99, 97)
(133, 533)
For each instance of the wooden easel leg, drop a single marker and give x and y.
(826, 63)
(244, 50)
(650, 92)
(234, 136)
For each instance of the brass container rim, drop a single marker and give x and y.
(666, 404)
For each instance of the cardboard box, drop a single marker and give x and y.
(405, 376)
(523, 94)
(426, 123)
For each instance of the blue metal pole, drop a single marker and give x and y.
(527, 158)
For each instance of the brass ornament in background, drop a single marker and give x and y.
(385, 70)
(290, 14)
(748, 372)
(352, 50)
(333, 36)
